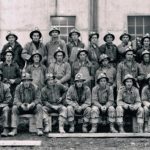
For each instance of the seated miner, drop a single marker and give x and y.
(128, 99)
(53, 96)
(4, 104)
(37, 70)
(27, 100)
(102, 103)
(11, 71)
(146, 103)
(78, 101)
(60, 68)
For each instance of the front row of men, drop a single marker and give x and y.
(55, 97)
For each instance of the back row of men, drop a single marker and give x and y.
(53, 68)
(66, 60)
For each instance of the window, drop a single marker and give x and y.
(138, 25)
(65, 24)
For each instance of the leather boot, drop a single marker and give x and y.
(121, 129)
(13, 132)
(84, 128)
(39, 132)
(61, 125)
(71, 130)
(112, 128)
(140, 128)
(146, 127)
(4, 133)
(47, 128)
(94, 128)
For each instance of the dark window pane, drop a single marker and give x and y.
(54, 21)
(147, 20)
(63, 30)
(139, 30)
(71, 21)
(63, 21)
(131, 30)
(139, 20)
(131, 20)
(147, 29)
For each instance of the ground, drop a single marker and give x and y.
(81, 143)
(77, 143)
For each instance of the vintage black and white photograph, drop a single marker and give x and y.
(74, 74)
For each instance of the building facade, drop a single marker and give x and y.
(22, 16)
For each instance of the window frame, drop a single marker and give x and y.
(135, 25)
(64, 26)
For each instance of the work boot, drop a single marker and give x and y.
(47, 129)
(94, 128)
(84, 128)
(39, 132)
(112, 128)
(121, 129)
(146, 127)
(140, 128)
(4, 133)
(71, 130)
(13, 132)
(61, 127)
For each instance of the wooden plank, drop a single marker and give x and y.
(20, 143)
(98, 135)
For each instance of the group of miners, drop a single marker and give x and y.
(71, 80)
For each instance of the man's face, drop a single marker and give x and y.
(94, 39)
(82, 56)
(8, 56)
(26, 83)
(105, 62)
(129, 55)
(36, 58)
(36, 37)
(109, 39)
(54, 34)
(129, 83)
(50, 82)
(146, 42)
(59, 56)
(11, 39)
(146, 58)
(125, 39)
(79, 83)
(102, 82)
(74, 36)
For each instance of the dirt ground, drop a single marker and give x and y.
(77, 143)
(81, 143)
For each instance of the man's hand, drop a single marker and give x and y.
(125, 106)
(31, 105)
(24, 106)
(103, 109)
(79, 109)
(131, 107)
(12, 81)
(55, 107)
